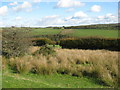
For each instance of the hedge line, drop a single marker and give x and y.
(90, 43)
(81, 43)
(97, 26)
(55, 37)
(42, 41)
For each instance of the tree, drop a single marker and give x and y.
(15, 42)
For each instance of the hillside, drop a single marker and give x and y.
(96, 26)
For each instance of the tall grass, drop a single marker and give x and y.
(100, 64)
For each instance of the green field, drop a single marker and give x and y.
(73, 65)
(95, 32)
(77, 32)
(11, 80)
(45, 31)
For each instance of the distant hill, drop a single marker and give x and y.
(96, 26)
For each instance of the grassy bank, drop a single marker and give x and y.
(12, 80)
(98, 64)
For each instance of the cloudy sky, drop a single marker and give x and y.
(41, 13)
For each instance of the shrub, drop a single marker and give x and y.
(54, 46)
(15, 42)
(45, 50)
(57, 46)
(42, 41)
(90, 43)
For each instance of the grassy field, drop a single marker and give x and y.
(77, 32)
(95, 32)
(42, 67)
(47, 81)
(45, 31)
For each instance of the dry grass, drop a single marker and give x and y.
(32, 49)
(4, 63)
(101, 64)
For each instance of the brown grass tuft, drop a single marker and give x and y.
(101, 64)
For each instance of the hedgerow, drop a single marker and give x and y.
(90, 43)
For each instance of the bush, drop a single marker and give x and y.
(45, 50)
(42, 41)
(15, 42)
(90, 43)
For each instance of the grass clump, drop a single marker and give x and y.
(101, 65)
(21, 65)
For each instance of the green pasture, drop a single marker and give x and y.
(95, 32)
(12, 80)
(77, 32)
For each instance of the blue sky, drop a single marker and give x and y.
(39, 13)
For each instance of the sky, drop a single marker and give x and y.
(44, 13)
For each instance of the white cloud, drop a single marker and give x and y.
(110, 15)
(26, 6)
(101, 17)
(77, 21)
(67, 18)
(51, 17)
(18, 18)
(12, 4)
(70, 10)
(1, 23)
(56, 20)
(96, 8)
(80, 14)
(3, 10)
(108, 18)
(36, 1)
(50, 21)
(81, 19)
(69, 3)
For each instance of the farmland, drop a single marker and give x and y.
(96, 32)
(61, 44)
(49, 65)
(77, 32)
